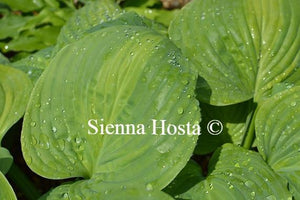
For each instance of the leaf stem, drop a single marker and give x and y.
(250, 133)
(21, 181)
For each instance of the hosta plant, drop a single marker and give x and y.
(232, 61)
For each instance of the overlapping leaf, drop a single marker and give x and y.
(278, 139)
(240, 48)
(6, 192)
(237, 173)
(14, 92)
(121, 74)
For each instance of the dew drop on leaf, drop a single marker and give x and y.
(54, 129)
(293, 103)
(33, 124)
(29, 160)
(65, 196)
(34, 141)
(237, 165)
(61, 144)
(180, 111)
(149, 187)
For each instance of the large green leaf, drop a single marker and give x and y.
(122, 74)
(240, 48)
(96, 189)
(6, 191)
(277, 130)
(237, 173)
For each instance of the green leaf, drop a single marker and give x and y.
(239, 48)
(6, 191)
(237, 173)
(34, 64)
(139, 75)
(234, 122)
(277, 129)
(32, 32)
(5, 160)
(190, 175)
(24, 5)
(15, 88)
(10, 25)
(105, 191)
(34, 39)
(14, 93)
(151, 9)
(92, 14)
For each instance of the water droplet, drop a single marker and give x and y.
(180, 111)
(123, 187)
(252, 194)
(65, 195)
(185, 82)
(249, 184)
(78, 140)
(61, 144)
(33, 124)
(149, 187)
(34, 141)
(54, 129)
(164, 148)
(29, 160)
(293, 103)
(38, 105)
(237, 165)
